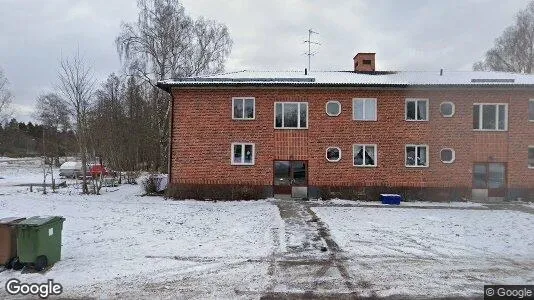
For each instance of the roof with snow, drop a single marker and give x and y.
(355, 79)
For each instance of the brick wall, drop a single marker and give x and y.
(204, 130)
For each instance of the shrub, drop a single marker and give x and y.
(150, 185)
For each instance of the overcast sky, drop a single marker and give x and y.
(268, 35)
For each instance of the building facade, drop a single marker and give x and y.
(428, 135)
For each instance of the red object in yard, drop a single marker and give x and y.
(96, 170)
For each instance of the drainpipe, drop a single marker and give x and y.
(169, 163)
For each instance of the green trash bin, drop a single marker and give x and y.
(39, 241)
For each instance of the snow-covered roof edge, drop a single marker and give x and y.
(355, 79)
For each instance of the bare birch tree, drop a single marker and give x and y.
(5, 98)
(166, 43)
(76, 86)
(52, 111)
(514, 49)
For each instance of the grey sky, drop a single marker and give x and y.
(268, 35)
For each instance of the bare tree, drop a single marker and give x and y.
(76, 86)
(52, 111)
(5, 98)
(166, 43)
(514, 49)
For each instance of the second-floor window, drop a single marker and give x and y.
(364, 109)
(243, 108)
(490, 117)
(291, 115)
(416, 109)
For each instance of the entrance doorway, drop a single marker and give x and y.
(291, 178)
(489, 181)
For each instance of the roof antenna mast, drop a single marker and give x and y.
(310, 42)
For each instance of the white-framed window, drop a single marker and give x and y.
(416, 109)
(364, 109)
(416, 156)
(243, 108)
(447, 155)
(333, 108)
(447, 109)
(531, 157)
(333, 154)
(243, 154)
(364, 155)
(291, 115)
(490, 116)
(531, 110)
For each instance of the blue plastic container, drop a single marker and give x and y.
(392, 199)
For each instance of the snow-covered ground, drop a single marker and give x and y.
(120, 238)
(123, 245)
(433, 252)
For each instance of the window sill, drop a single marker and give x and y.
(364, 120)
(415, 120)
(233, 164)
(250, 119)
(490, 130)
(280, 128)
(415, 167)
(368, 166)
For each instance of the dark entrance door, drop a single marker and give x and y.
(490, 177)
(291, 177)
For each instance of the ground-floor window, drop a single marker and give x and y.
(243, 154)
(364, 155)
(531, 157)
(416, 155)
(333, 154)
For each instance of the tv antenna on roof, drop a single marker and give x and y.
(310, 42)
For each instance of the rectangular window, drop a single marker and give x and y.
(364, 155)
(490, 117)
(243, 108)
(243, 154)
(416, 155)
(416, 110)
(531, 157)
(531, 110)
(364, 109)
(291, 115)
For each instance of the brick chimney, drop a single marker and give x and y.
(364, 62)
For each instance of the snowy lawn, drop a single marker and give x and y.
(433, 251)
(119, 238)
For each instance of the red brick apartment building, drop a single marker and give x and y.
(428, 135)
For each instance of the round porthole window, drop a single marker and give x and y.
(447, 155)
(333, 154)
(333, 108)
(447, 109)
